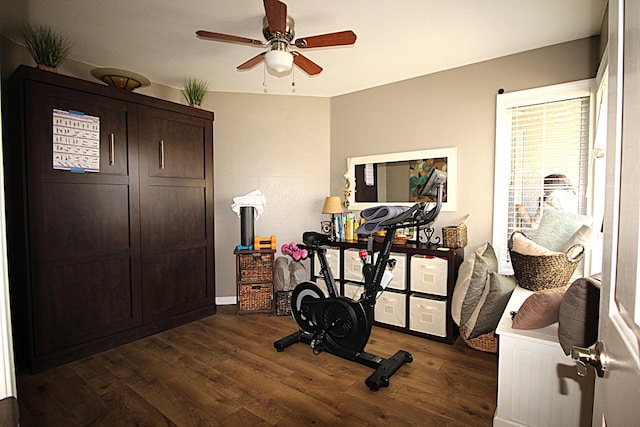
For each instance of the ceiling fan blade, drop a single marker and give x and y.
(307, 65)
(209, 35)
(252, 62)
(340, 38)
(276, 12)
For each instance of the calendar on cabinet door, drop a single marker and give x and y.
(76, 141)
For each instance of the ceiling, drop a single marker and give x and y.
(397, 40)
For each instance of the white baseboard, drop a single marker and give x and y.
(226, 300)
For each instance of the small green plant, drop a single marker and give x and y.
(47, 47)
(194, 90)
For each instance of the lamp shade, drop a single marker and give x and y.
(279, 61)
(332, 205)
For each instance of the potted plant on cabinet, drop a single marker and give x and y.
(194, 91)
(47, 47)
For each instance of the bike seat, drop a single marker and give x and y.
(314, 239)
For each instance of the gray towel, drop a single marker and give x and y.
(374, 216)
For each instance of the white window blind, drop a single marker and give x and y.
(539, 133)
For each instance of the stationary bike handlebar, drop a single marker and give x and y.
(415, 215)
(407, 215)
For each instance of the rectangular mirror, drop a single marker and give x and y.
(392, 179)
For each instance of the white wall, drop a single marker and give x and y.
(451, 108)
(279, 145)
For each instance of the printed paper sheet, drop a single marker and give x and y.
(76, 141)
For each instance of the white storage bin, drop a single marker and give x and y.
(323, 286)
(399, 280)
(428, 315)
(353, 290)
(391, 308)
(333, 259)
(429, 275)
(352, 265)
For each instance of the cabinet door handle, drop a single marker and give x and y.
(161, 154)
(112, 149)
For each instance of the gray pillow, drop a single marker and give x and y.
(298, 274)
(557, 228)
(471, 281)
(500, 288)
(579, 313)
(281, 274)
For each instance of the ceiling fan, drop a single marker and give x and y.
(278, 30)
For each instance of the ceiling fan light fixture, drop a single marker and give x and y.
(279, 33)
(279, 61)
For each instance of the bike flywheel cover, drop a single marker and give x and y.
(345, 323)
(301, 310)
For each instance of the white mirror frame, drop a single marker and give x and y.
(451, 153)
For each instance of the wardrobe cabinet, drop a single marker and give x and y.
(174, 200)
(98, 259)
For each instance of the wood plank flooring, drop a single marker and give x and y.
(224, 371)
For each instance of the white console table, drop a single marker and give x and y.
(538, 384)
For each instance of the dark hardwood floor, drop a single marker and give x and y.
(223, 370)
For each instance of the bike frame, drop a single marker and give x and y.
(373, 273)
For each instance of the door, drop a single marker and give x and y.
(176, 201)
(618, 392)
(85, 279)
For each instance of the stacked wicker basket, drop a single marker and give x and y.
(254, 279)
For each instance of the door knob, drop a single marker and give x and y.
(594, 356)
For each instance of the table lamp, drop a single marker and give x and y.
(333, 206)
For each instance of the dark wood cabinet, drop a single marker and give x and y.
(418, 299)
(98, 259)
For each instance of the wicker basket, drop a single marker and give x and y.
(255, 297)
(455, 237)
(538, 272)
(487, 342)
(283, 303)
(255, 267)
(397, 240)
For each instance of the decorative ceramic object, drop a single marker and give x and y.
(120, 79)
(47, 47)
(194, 91)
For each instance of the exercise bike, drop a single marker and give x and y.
(340, 325)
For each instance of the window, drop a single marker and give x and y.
(540, 133)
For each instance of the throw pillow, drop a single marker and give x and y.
(297, 274)
(584, 236)
(470, 284)
(540, 309)
(556, 228)
(495, 298)
(579, 314)
(281, 274)
(525, 246)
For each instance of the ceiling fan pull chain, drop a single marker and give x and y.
(293, 79)
(264, 77)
